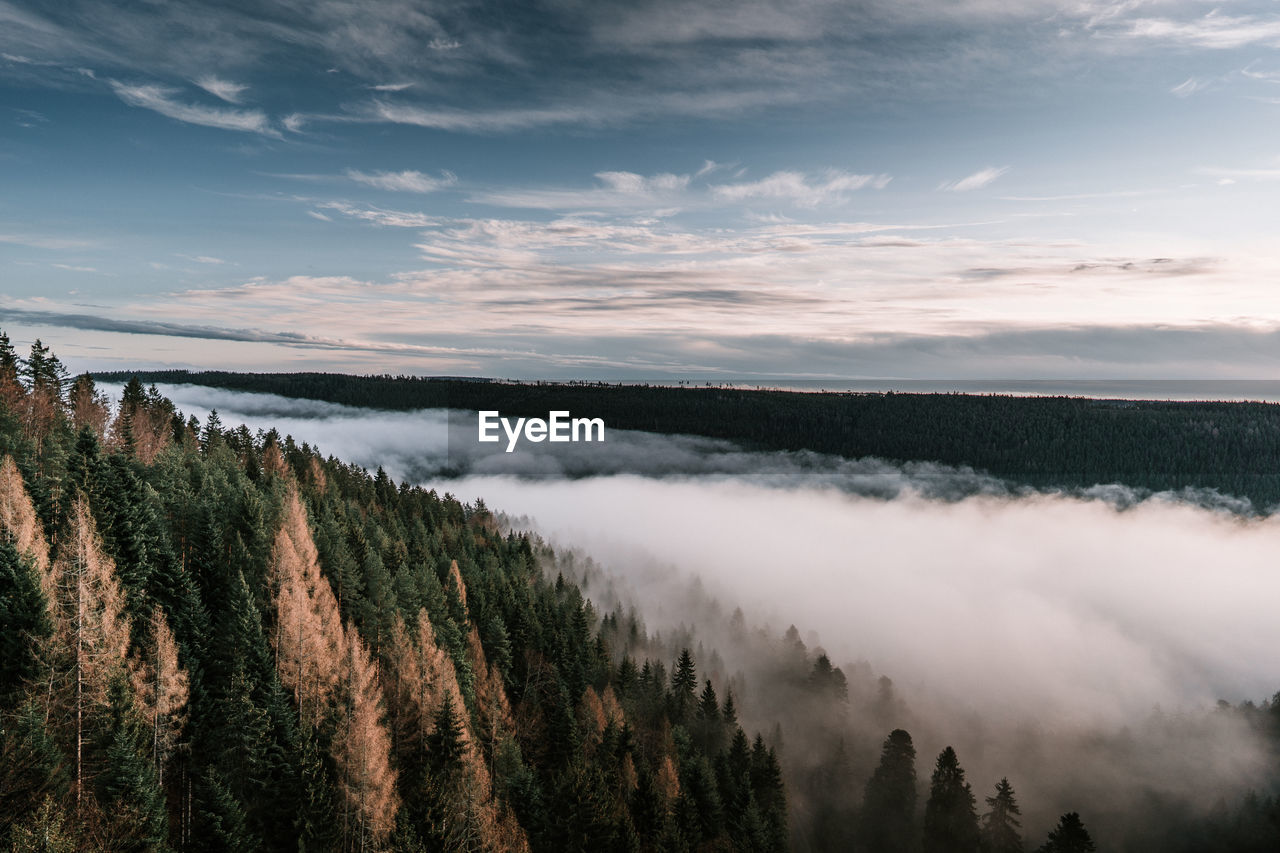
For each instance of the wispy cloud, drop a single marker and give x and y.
(976, 181)
(483, 121)
(408, 181)
(1214, 30)
(161, 100)
(392, 87)
(615, 190)
(224, 89)
(1233, 175)
(1189, 87)
(45, 241)
(379, 216)
(797, 188)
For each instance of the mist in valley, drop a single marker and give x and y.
(1076, 643)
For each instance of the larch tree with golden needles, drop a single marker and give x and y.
(308, 633)
(333, 680)
(20, 525)
(362, 750)
(91, 629)
(162, 688)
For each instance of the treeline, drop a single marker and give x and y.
(217, 641)
(1044, 442)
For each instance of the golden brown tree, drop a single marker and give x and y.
(362, 751)
(308, 635)
(21, 526)
(161, 688)
(89, 408)
(90, 626)
(333, 680)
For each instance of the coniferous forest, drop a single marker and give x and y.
(1041, 442)
(222, 641)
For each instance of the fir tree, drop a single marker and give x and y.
(1069, 836)
(1000, 824)
(888, 820)
(950, 816)
(684, 681)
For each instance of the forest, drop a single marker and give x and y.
(1041, 442)
(222, 641)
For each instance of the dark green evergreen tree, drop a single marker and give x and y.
(1069, 836)
(24, 622)
(950, 815)
(888, 819)
(1000, 824)
(684, 681)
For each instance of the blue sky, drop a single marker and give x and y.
(667, 189)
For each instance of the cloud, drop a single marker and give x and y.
(1232, 175)
(408, 181)
(976, 181)
(224, 89)
(481, 121)
(795, 187)
(392, 87)
(45, 241)
(1189, 87)
(380, 216)
(1214, 31)
(160, 99)
(615, 190)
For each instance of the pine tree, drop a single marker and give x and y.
(950, 815)
(24, 622)
(32, 767)
(10, 369)
(1069, 836)
(1000, 824)
(130, 792)
(162, 688)
(220, 822)
(888, 821)
(684, 681)
(44, 832)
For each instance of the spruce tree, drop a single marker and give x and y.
(888, 822)
(1069, 836)
(950, 816)
(684, 681)
(24, 620)
(1000, 824)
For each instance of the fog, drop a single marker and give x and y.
(1001, 598)
(1075, 642)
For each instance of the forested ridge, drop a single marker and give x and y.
(216, 640)
(1044, 442)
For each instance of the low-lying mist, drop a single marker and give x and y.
(1075, 643)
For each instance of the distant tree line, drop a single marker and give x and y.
(1044, 442)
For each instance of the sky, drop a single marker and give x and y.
(653, 189)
